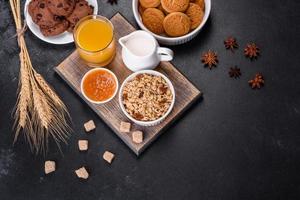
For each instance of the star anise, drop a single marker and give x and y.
(234, 72)
(251, 51)
(257, 82)
(231, 43)
(112, 2)
(210, 59)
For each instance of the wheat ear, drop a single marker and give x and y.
(39, 111)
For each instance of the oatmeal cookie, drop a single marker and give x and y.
(177, 24)
(82, 9)
(200, 3)
(195, 13)
(55, 30)
(141, 9)
(42, 16)
(153, 20)
(175, 5)
(162, 9)
(61, 7)
(149, 3)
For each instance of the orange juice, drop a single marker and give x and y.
(94, 38)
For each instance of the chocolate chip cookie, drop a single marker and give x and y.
(42, 16)
(82, 9)
(61, 7)
(55, 30)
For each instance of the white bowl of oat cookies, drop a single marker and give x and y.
(147, 97)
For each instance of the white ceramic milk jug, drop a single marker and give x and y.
(140, 51)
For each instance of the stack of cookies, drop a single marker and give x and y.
(171, 17)
(56, 16)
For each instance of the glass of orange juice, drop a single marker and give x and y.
(94, 39)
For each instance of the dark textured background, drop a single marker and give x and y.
(236, 143)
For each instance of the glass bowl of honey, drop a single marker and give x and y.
(99, 85)
(94, 40)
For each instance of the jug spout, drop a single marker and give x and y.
(123, 40)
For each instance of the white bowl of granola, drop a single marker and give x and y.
(147, 97)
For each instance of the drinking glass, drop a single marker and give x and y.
(98, 57)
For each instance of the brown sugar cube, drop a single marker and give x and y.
(125, 127)
(49, 166)
(89, 126)
(83, 145)
(82, 173)
(108, 156)
(137, 137)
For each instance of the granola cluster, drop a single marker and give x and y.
(147, 97)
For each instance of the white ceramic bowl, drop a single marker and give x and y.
(172, 40)
(99, 69)
(146, 123)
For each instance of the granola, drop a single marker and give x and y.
(147, 97)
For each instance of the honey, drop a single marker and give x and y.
(99, 85)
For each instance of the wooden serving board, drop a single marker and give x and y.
(73, 68)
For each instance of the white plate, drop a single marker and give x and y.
(63, 38)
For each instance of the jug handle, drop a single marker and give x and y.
(165, 54)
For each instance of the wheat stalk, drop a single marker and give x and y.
(24, 102)
(39, 112)
(24, 95)
(48, 90)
